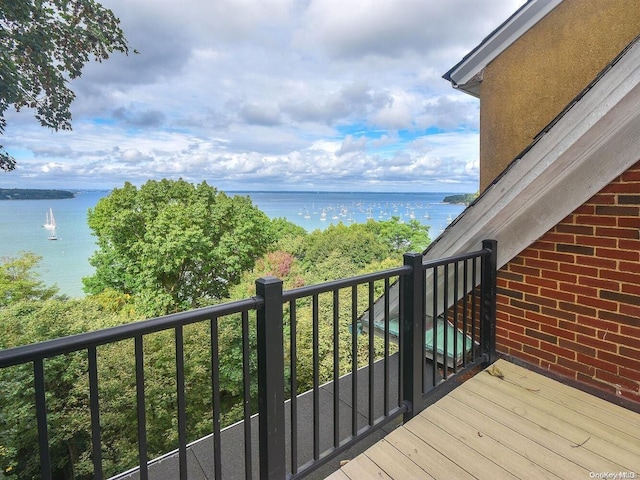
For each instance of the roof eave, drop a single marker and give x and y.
(462, 74)
(561, 170)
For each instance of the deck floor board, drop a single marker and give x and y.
(513, 423)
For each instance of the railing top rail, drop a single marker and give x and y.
(308, 290)
(484, 252)
(59, 346)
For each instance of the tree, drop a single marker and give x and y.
(43, 45)
(19, 281)
(401, 237)
(34, 320)
(355, 244)
(173, 245)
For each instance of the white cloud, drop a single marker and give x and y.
(282, 94)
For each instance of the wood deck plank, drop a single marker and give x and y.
(536, 399)
(486, 445)
(611, 408)
(595, 453)
(338, 475)
(362, 468)
(546, 433)
(514, 438)
(523, 425)
(466, 457)
(596, 408)
(425, 456)
(393, 462)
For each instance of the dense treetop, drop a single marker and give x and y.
(174, 245)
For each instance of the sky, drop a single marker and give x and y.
(306, 95)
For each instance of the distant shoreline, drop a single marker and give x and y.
(460, 199)
(34, 194)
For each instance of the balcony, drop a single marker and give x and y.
(508, 422)
(295, 433)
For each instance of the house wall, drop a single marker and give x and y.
(570, 303)
(538, 75)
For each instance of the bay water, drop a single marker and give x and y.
(66, 260)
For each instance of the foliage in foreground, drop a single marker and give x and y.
(289, 253)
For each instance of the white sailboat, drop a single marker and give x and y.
(50, 221)
(51, 225)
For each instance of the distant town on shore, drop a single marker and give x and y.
(34, 194)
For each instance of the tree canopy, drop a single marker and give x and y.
(167, 246)
(174, 245)
(43, 45)
(19, 281)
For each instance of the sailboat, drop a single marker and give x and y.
(50, 221)
(51, 224)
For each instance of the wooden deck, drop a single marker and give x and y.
(508, 422)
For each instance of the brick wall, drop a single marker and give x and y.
(570, 303)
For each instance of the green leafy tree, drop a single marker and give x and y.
(173, 245)
(354, 244)
(284, 230)
(401, 237)
(43, 45)
(19, 281)
(30, 321)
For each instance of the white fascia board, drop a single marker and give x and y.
(590, 145)
(472, 65)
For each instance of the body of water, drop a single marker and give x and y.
(66, 260)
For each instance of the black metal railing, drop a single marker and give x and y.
(323, 385)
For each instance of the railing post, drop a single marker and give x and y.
(489, 290)
(412, 324)
(271, 379)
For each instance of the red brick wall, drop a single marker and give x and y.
(570, 303)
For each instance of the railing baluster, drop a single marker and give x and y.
(140, 404)
(336, 368)
(434, 326)
(293, 322)
(465, 317)
(386, 347)
(455, 316)
(94, 407)
(316, 380)
(423, 330)
(41, 417)
(474, 334)
(182, 403)
(215, 400)
(354, 361)
(445, 333)
(401, 340)
(246, 392)
(372, 332)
